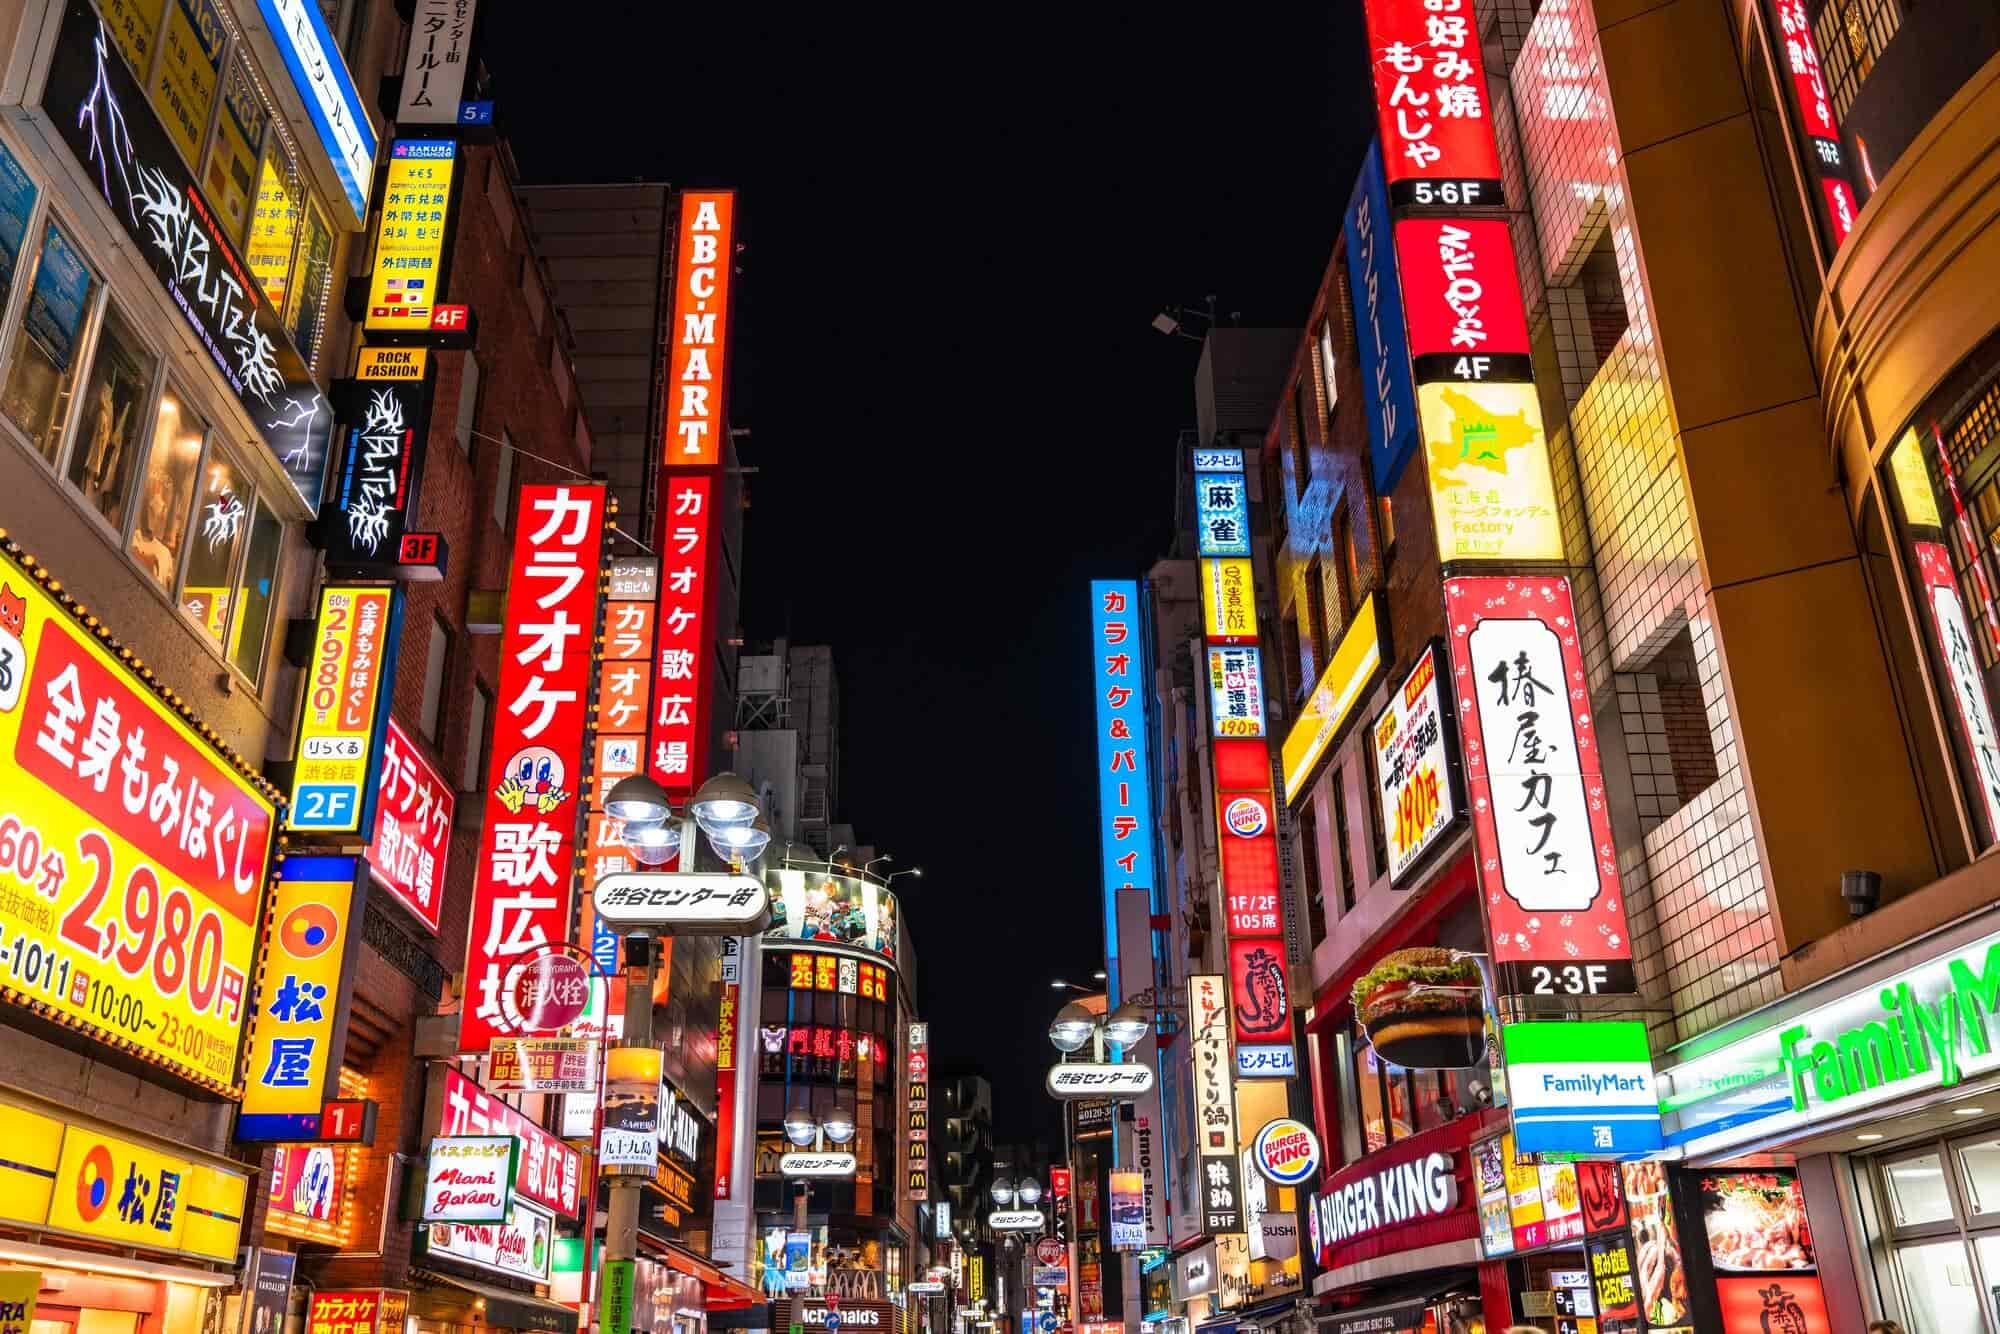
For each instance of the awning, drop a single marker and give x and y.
(720, 1292)
(1398, 1310)
(505, 1308)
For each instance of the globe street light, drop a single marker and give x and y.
(800, 1128)
(722, 801)
(1127, 1025)
(652, 844)
(1028, 1191)
(1072, 1028)
(1002, 1192)
(740, 842)
(636, 798)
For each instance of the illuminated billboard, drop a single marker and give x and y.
(298, 1025)
(1462, 300)
(1124, 778)
(1350, 673)
(341, 709)
(1228, 602)
(1492, 497)
(1430, 101)
(833, 909)
(413, 236)
(696, 414)
(1380, 342)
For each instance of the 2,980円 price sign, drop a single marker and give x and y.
(132, 851)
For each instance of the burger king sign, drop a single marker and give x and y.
(1246, 817)
(1286, 1152)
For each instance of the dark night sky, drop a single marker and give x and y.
(956, 238)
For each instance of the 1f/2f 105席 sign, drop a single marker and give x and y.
(1086, 1079)
(684, 903)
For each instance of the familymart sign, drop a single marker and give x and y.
(1929, 1026)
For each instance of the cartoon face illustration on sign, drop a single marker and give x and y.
(13, 653)
(534, 779)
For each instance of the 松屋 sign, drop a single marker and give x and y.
(1582, 1087)
(696, 414)
(1416, 743)
(299, 1019)
(1083, 1079)
(469, 1179)
(1549, 871)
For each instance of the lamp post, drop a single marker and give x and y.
(805, 1131)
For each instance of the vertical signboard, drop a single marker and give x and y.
(413, 238)
(436, 63)
(527, 846)
(341, 713)
(298, 1025)
(696, 414)
(624, 697)
(1124, 793)
(678, 737)
(728, 1021)
(1961, 669)
(412, 834)
(384, 413)
(1416, 763)
(1430, 101)
(1220, 1187)
(1824, 157)
(1462, 300)
(1547, 866)
(1384, 355)
(918, 1100)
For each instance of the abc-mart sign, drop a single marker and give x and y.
(1868, 1037)
(1086, 1079)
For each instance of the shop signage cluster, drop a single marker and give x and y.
(527, 846)
(917, 1098)
(1416, 762)
(145, 845)
(341, 712)
(413, 821)
(624, 706)
(1548, 868)
(1221, 1188)
(546, 1171)
(298, 1024)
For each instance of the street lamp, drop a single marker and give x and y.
(722, 802)
(653, 844)
(637, 798)
(1127, 1025)
(1028, 1191)
(1064, 984)
(1002, 1192)
(1072, 1028)
(740, 842)
(916, 871)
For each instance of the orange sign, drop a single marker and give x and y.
(695, 385)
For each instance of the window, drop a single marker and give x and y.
(1329, 366)
(43, 373)
(1274, 496)
(1342, 846)
(1371, 1097)
(468, 401)
(1378, 838)
(478, 741)
(312, 282)
(104, 460)
(1386, 513)
(1851, 35)
(159, 530)
(434, 661)
(1301, 450)
(1349, 591)
(1308, 825)
(1293, 667)
(225, 506)
(1316, 623)
(257, 593)
(18, 192)
(503, 482)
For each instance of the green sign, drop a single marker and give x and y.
(614, 1296)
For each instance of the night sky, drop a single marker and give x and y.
(957, 235)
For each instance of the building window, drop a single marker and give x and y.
(46, 355)
(468, 401)
(1386, 512)
(478, 741)
(503, 483)
(1316, 617)
(1274, 499)
(1293, 667)
(435, 654)
(1301, 449)
(224, 507)
(1378, 838)
(1851, 36)
(159, 531)
(1349, 591)
(104, 461)
(1308, 825)
(1341, 844)
(256, 594)
(1329, 366)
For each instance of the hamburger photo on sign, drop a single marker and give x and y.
(1424, 1009)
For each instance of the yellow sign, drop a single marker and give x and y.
(392, 363)
(132, 851)
(410, 238)
(292, 1067)
(1352, 669)
(353, 648)
(94, 1185)
(1913, 482)
(1228, 602)
(18, 1290)
(1492, 497)
(274, 227)
(184, 80)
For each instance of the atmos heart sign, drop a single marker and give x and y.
(1084, 1079)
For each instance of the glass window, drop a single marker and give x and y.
(1938, 1290)
(1308, 858)
(1387, 512)
(434, 658)
(1979, 1171)
(1368, 1093)
(225, 508)
(503, 482)
(1917, 1189)
(1342, 843)
(160, 528)
(472, 779)
(312, 281)
(17, 201)
(1378, 837)
(255, 593)
(1329, 364)
(468, 401)
(1301, 451)
(105, 458)
(274, 226)
(36, 397)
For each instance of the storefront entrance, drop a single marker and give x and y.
(1938, 1207)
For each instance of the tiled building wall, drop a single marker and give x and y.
(1695, 872)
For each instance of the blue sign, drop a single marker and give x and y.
(1272, 1062)
(1222, 513)
(58, 299)
(1378, 325)
(1047, 1322)
(475, 113)
(17, 200)
(313, 60)
(1218, 460)
(1124, 773)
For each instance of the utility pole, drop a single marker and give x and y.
(625, 1191)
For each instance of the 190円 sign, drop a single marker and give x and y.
(1416, 745)
(133, 849)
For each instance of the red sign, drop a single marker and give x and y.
(450, 319)
(1548, 870)
(361, 1312)
(412, 838)
(527, 848)
(551, 992)
(1771, 1303)
(679, 734)
(725, 1087)
(1249, 847)
(1430, 98)
(1258, 994)
(546, 1169)
(1247, 836)
(306, 1182)
(1462, 300)
(1808, 85)
(1954, 643)
(695, 380)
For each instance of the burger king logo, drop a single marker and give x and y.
(1286, 1152)
(1246, 817)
